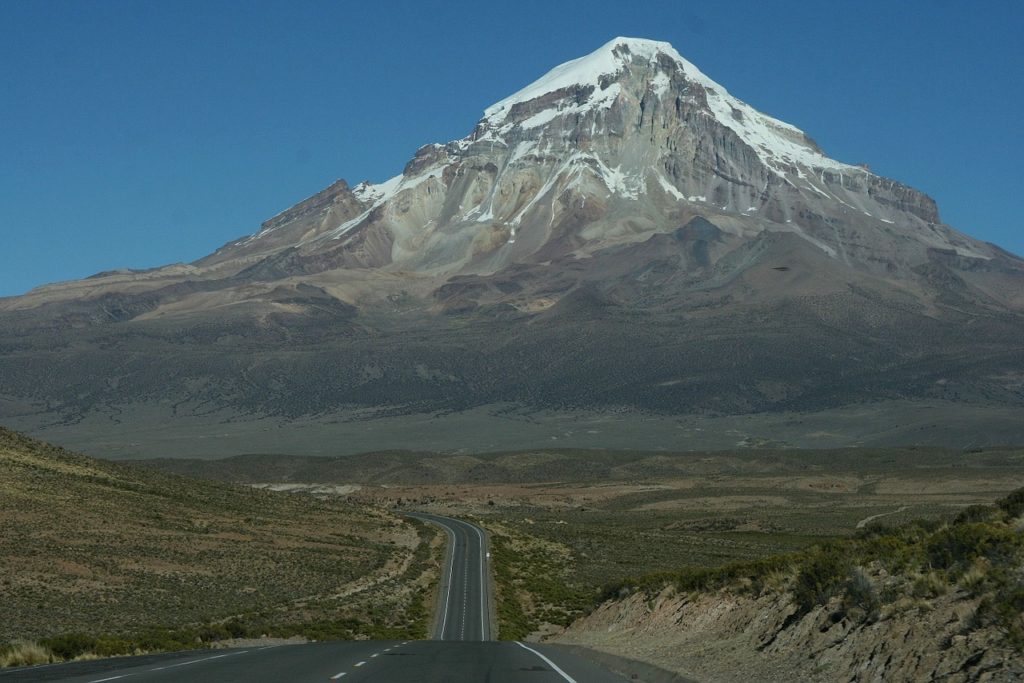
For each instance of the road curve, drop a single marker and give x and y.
(462, 650)
(464, 612)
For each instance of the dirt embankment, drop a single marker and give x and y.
(728, 637)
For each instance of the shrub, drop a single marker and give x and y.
(930, 585)
(820, 578)
(112, 647)
(895, 554)
(69, 645)
(236, 629)
(1005, 611)
(975, 513)
(975, 579)
(1013, 504)
(957, 546)
(860, 594)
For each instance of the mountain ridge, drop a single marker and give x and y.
(622, 234)
(588, 90)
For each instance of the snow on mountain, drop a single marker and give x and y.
(779, 144)
(622, 233)
(636, 131)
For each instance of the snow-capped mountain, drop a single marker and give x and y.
(621, 232)
(644, 137)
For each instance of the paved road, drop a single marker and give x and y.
(465, 609)
(462, 650)
(425, 661)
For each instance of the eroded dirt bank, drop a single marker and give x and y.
(729, 637)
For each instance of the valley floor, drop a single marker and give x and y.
(155, 431)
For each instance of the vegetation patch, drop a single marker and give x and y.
(104, 559)
(979, 554)
(535, 584)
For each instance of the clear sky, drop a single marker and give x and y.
(135, 134)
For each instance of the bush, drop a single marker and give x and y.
(112, 647)
(975, 513)
(930, 585)
(1005, 611)
(1013, 504)
(860, 594)
(821, 578)
(69, 645)
(976, 578)
(957, 546)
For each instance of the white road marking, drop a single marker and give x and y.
(375, 654)
(455, 527)
(337, 676)
(465, 593)
(360, 663)
(451, 567)
(194, 661)
(554, 666)
(112, 678)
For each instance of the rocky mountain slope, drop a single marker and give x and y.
(621, 234)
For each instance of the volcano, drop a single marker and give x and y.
(621, 239)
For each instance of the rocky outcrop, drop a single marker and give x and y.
(729, 637)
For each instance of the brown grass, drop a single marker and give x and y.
(25, 653)
(97, 548)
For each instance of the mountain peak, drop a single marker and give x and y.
(608, 149)
(622, 233)
(592, 83)
(589, 70)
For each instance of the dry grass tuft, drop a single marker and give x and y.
(25, 653)
(975, 579)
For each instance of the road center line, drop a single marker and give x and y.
(337, 676)
(554, 666)
(112, 678)
(483, 586)
(360, 663)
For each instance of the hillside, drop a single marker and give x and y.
(150, 560)
(921, 601)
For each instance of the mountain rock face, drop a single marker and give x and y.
(622, 234)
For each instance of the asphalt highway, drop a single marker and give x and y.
(461, 652)
(425, 661)
(465, 609)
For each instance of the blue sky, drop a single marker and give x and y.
(134, 134)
